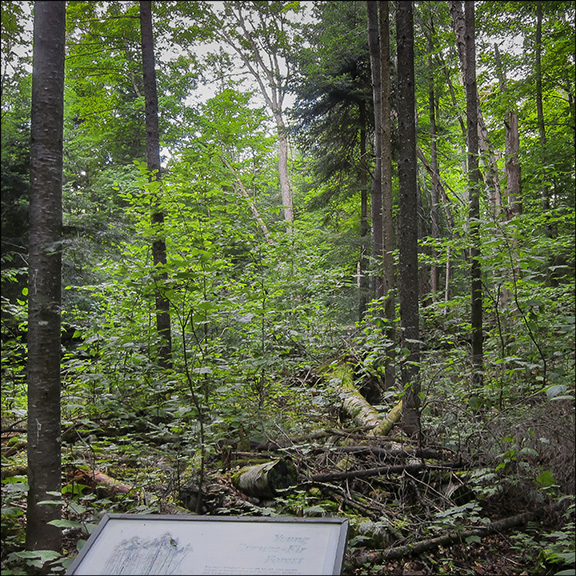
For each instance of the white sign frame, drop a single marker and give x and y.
(225, 545)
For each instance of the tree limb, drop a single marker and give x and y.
(445, 540)
(379, 471)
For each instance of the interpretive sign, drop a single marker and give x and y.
(157, 545)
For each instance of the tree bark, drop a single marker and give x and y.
(434, 217)
(474, 195)
(492, 179)
(512, 148)
(388, 276)
(153, 163)
(376, 196)
(408, 218)
(364, 227)
(44, 275)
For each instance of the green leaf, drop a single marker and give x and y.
(555, 390)
(37, 558)
(545, 479)
(65, 523)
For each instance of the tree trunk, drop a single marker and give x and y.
(513, 170)
(376, 196)
(388, 277)
(264, 480)
(153, 162)
(434, 218)
(492, 179)
(364, 227)
(474, 194)
(544, 191)
(285, 190)
(269, 79)
(44, 275)
(408, 218)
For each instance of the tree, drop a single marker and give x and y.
(513, 170)
(484, 142)
(382, 218)
(154, 168)
(333, 117)
(45, 284)
(408, 219)
(474, 193)
(388, 274)
(377, 188)
(258, 33)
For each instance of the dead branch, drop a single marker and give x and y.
(417, 453)
(449, 539)
(379, 471)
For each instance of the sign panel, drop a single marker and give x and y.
(158, 545)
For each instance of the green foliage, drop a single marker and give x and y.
(255, 310)
(555, 550)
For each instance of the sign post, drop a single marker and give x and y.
(158, 545)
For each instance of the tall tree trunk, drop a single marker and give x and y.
(153, 163)
(484, 143)
(408, 217)
(376, 197)
(474, 195)
(545, 193)
(388, 277)
(285, 190)
(434, 218)
(512, 147)
(364, 226)
(44, 273)
(270, 80)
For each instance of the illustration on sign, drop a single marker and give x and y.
(158, 556)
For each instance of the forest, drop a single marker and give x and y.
(307, 259)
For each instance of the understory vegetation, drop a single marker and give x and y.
(254, 384)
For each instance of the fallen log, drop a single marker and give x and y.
(445, 540)
(264, 480)
(358, 408)
(96, 480)
(387, 453)
(15, 470)
(379, 471)
(14, 448)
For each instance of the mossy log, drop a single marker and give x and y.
(16, 470)
(264, 480)
(358, 408)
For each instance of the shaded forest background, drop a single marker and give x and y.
(274, 276)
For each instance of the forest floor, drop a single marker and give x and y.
(395, 493)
